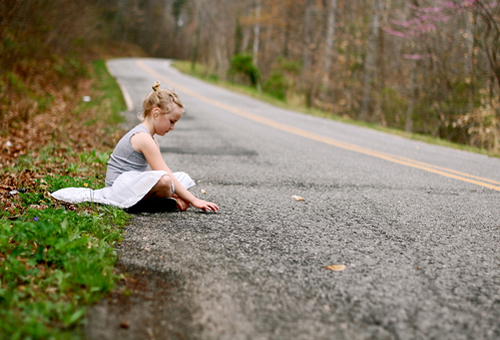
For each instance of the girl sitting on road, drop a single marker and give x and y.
(139, 148)
(128, 183)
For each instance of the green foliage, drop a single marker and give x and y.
(213, 77)
(56, 182)
(109, 101)
(290, 67)
(276, 85)
(112, 96)
(201, 72)
(356, 63)
(16, 83)
(94, 157)
(56, 259)
(28, 198)
(242, 64)
(53, 262)
(394, 106)
(442, 106)
(70, 68)
(281, 79)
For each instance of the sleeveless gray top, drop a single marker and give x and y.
(125, 158)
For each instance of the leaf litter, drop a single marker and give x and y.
(336, 267)
(49, 143)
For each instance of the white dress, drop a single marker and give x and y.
(128, 189)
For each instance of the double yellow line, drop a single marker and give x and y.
(484, 182)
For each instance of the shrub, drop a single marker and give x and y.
(242, 64)
(282, 78)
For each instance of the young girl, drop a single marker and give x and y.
(139, 148)
(128, 184)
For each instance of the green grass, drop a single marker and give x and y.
(202, 72)
(54, 263)
(57, 259)
(110, 98)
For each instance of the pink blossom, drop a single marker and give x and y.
(412, 56)
(396, 33)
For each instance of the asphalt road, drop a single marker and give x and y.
(416, 226)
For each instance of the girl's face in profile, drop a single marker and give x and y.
(166, 122)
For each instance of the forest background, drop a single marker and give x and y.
(425, 66)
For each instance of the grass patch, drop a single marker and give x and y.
(54, 262)
(57, 258)
(202, 72)
(110, 98)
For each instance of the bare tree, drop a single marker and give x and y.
(256, 32)
(308, 32)
(329, 43)
(429, 72)
(308, 35)
(370, 60)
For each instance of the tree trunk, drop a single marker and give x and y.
(120, 21)
(197, 37)
(330, 39)
(469, 42)
(246, 39)
(411, 97)
(370, 61)
(306, 76)
(287, 28)
(308, 36)
(256, 32)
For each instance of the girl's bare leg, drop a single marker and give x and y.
(162, 189)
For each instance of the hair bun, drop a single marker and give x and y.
(156, 86)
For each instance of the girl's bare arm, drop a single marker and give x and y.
(143, 142)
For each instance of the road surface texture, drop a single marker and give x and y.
(415, 225)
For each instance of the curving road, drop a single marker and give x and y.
(416, 226)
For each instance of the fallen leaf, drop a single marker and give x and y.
(125, 324)
(298, 198)
(203, 192)
(336, 267)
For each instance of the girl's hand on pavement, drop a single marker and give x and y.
(205, 206)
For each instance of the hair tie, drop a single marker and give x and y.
(156, 86)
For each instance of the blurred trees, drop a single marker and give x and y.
(427, 66)
(31, 34)
(45, 46)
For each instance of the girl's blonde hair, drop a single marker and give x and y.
(164, 99)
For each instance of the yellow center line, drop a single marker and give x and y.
(484, 182)
(450, 170)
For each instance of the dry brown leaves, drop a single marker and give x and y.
(56, 127)
(336, 267)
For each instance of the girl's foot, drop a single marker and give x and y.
(181, 204)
